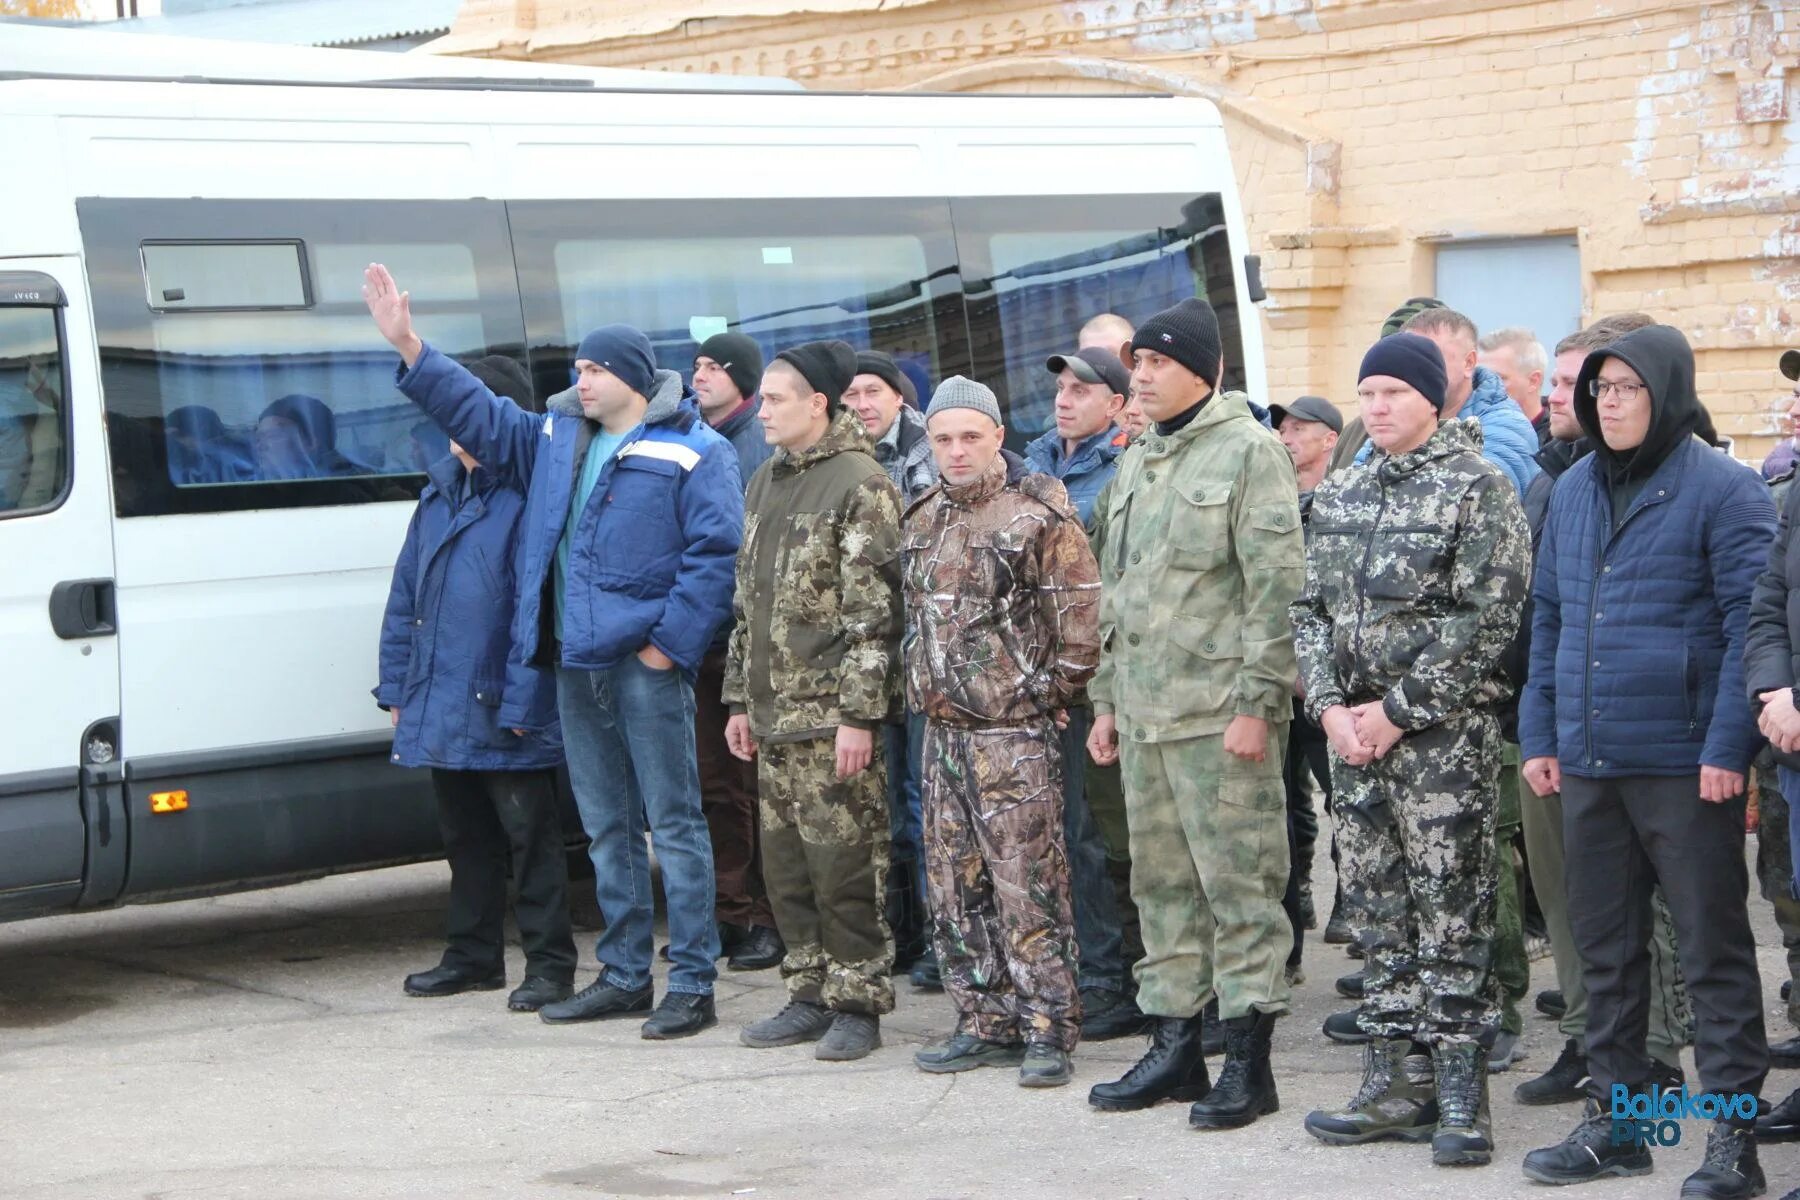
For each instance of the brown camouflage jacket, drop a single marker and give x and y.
(1003, 597)
(817, 604)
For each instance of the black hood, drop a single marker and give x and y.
(1665, 362)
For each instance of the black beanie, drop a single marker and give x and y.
(1411, 359)
(1187, 333)
(741, 358)
(884, 368)
(505, 377)
(827, 367)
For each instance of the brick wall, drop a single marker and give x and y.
(1664, 134)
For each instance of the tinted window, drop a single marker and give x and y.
(225, 275)
(277, 406)
(34, 454)
(1038, 268)
(880, 274)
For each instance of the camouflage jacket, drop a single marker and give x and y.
(817, 604)
(1202, 554)
(1003, 596)
(1416, 576)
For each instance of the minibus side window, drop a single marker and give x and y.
(238, 362)
(1040, 267)
(879, 274)
(34, 413)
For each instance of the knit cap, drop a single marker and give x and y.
(739, 356)
(1187, 333)
(1413, 360)
(960, 392)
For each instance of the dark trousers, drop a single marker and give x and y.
(728, 802)
(1621, 837)
(1097, 929)
(487, 816)
(1306, 756)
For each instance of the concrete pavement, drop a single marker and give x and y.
(259, 1046)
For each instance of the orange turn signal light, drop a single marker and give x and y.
(168, 802)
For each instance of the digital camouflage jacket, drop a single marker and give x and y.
(1202, 554)
(1003, 596)
(817, 604)
(1416, 577)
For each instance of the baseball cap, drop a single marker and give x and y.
(1093, 365)
(1790, 364)
(1309, 408)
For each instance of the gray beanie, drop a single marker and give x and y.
(960, 392)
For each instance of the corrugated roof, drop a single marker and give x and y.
(303, 22)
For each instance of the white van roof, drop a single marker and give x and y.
(31, 49)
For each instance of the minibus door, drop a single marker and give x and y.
(62, 833)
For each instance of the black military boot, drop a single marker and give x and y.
(1397, 1099)
(1352, 986)
(1782, 1122)
(1212, 1031)
(1589, 1152)
(1785, 1055)
(1464, 1134)
(1246, 1087)
(1107, 1014)
(1550, 1002)
(1172, 1069)
(1337, 926)
(1730, 1171)
(1564, 1083)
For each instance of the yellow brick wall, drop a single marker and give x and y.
(1664, 134)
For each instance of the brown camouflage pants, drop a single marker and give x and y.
(825, 863)
(998, 875)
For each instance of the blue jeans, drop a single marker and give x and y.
(628, 733)
(1097, 930)
(903, 746)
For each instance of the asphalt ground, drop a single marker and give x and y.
(259, 1046)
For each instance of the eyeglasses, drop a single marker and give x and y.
(1626, 392)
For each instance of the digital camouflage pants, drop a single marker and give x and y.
(998, 874)
(825, 861)
(1209, 865)
(1417, 858)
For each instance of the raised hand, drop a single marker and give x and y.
(392, 310)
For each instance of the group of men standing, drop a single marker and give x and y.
(862, 603)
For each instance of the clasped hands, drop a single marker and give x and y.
(1360, 734)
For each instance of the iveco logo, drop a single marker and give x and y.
(17, 296)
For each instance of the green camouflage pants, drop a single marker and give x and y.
(825, 861)
(998, 874)
(1416, 855)
(1209, 864)
(1775, 873)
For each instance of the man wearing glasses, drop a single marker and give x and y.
(1636, 711)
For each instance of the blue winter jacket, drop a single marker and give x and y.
(446, 634)
(1084, 472)
(1507, 438)
(654, 551)
(1637, 641)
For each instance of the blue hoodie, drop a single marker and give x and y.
(654, 552)
(1508, 440)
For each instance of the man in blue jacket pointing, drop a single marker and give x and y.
(632, 522)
